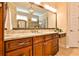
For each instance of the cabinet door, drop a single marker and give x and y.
(38, 49)
(21, 52)
(48, 48)
(1, 29)
(55, 46)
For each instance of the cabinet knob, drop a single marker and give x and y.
(71, 30)
(23, 43)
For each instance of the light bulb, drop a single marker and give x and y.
(50, 8)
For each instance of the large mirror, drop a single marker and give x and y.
(26, 15)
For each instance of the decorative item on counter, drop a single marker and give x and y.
(58, 30)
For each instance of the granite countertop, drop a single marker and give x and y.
(61, 32)
(24, 35)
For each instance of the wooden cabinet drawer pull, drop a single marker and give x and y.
(23, 43)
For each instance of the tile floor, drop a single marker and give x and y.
(63, 51)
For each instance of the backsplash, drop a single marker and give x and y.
(27, 31)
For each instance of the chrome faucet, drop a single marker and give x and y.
(35, 30)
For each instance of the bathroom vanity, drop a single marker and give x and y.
(30, 33)
(38, 44)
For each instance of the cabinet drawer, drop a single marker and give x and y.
(38, 39)
(48, 37)
(18, 43)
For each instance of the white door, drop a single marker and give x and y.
(73, 25)
(73, 33)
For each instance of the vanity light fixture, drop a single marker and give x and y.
(31, 11)
(34, 19)
(50, 8)
(21, 10)
(38, 3)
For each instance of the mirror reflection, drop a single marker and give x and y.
(28, 15)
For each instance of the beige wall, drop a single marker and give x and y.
(62, 15)
(51, 20)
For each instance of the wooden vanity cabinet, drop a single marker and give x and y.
(43, 45)
(51, 45)
(46, 45)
